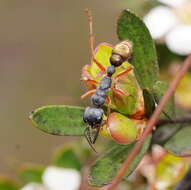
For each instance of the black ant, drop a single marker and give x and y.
(93, 116)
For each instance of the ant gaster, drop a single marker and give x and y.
(93, 116)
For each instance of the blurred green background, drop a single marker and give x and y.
(43, 46)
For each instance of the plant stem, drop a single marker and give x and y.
(183, 119)
(151, 123)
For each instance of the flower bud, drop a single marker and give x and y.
(122, 129)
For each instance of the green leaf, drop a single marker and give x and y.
(131, 27)
(180, 143)
(169, 170)
(59, 120)
(149, 103)
(67, 158)
(166, 57)
(166, 130)
(106, 167)
(153, 96)
(163, 133)
(31, 173)
(7, 185)
(159, 90)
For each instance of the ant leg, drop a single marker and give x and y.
(91, 83)
(89, 93)
(96, 135)
(88, 137)
(108, 102)
(124, 72)
(120, 92)
(156, 99)
(101, 67)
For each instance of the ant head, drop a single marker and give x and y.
(93, 116)
(123, 49)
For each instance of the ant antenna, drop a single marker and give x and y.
(88, 138)
(91, 37)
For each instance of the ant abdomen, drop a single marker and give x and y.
(121, 52)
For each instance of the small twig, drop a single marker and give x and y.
(151, 123)
(91, 36)
(185, 183)
(180, 120)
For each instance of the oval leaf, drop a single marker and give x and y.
(164, 132)
(169, 170)
(159, 90)
(130, 27)
(67, 158)
(59, 120)
(7, 185)
(167, 130)
(106, 167)
(31, 173)
(149, 103)
(180, 143)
